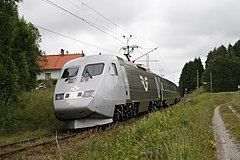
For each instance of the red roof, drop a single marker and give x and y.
(57, 61)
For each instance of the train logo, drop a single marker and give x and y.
(75, 88)
(144, 82)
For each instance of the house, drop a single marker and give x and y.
(52, 64)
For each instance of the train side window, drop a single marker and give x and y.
(115, 68)
(93, 69)
(70, 72)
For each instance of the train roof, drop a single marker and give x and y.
(105, 57)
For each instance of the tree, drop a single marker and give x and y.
(188, 78)
(225, 73)
(26, 53)
(8, 69)
(225, 67)
(235, 49)
(19, 52)
(212, 55)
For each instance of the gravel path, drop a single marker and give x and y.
(226, 149)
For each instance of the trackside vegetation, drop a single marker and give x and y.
(30, 118)
(183, 131)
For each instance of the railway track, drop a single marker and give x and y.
(17, 147)
(22, 147)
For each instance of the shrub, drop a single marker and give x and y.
(35, 111)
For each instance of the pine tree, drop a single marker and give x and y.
(225, 73)
(225, 68)
(188, 78)
(235, 49)
(212, 55)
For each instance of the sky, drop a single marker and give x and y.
(181, 29)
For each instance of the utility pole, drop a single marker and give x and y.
(211, 81)
(197, 80)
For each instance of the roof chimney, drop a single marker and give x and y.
(83, 54)
(62, 52)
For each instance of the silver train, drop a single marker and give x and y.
(100, 89)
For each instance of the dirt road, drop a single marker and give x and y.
(226, 149)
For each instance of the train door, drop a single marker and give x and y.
(125, 82)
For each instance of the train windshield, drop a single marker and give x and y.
(93, 69)
(70, 72)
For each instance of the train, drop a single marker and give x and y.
(100, 89)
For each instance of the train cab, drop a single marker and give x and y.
(89, 88)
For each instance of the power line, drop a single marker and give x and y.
(97, 12)
(103, 24)
(116, 25)
(74, 39)
(101, 15)
(78, 17)
(90, 15)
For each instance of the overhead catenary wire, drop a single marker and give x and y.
(101, 15)
(82, 19)
(95, 25)
(145, 54)
(97, 12)
(110, 21)
(85, 14)
(74, 39)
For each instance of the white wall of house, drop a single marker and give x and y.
(49, 73)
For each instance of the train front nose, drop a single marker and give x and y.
(70, 106)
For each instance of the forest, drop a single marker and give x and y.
(221, 73)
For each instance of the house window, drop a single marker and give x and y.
(47, 76)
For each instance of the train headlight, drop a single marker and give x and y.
(59, 96)
(88, 93)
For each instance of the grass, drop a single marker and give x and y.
(232, 122)
(183, 131)
(32, 117)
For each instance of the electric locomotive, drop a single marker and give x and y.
(97, 90)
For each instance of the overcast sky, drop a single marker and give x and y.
(182, 29)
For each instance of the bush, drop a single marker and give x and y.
(33, 112)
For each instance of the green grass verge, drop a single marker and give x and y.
(231, 121)
(183, 131)
(235, 101)
(32, 117)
